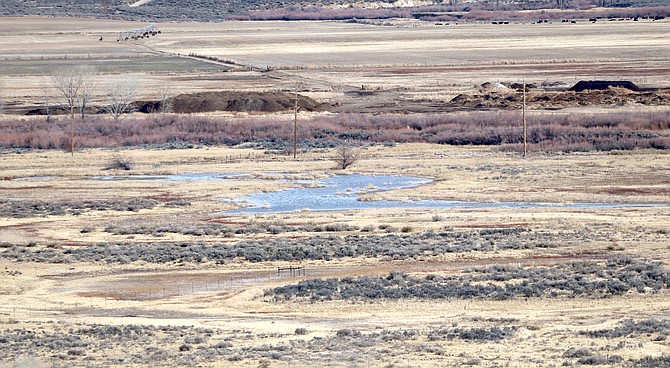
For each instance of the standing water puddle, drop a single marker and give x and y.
(342, 192)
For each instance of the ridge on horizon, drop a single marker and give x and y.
(430, 10)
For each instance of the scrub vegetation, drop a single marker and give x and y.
(121, 246)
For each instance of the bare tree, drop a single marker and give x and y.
(75, 85)
(562, 4)
(121, 94)
(165, 94)
(346, 156)
(69, 82)
(89, 79)
(47, 103)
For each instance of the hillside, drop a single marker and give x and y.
(432, 10)
(202, 10)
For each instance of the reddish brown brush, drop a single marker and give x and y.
(546, 132)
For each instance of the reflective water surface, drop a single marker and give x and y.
(342, 192)
(337, 192)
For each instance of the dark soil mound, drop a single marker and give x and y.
(210, 101)
(147, 107)
(59, 110)
(242, 101)
(582, 86)
(562, 99)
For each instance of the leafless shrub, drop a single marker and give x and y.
(387, 228)
(222, 345)
(586, 356)
(566, 132)
(346, 156)
(577, 353)
(87, 229)
(337, 227)
(319, 247)
(119, 162)
(346, 332)
(662, 361)
(616, 277)
(368, 229)
(34, 208)
(197, 339)
(473, 361)
(629, 327)
(177, 203)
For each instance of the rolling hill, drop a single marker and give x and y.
(219, 10)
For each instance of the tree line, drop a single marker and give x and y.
(76, 86)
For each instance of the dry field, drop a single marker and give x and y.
(122, 273)
(141, 272)
(356, 67)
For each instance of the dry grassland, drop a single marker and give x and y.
(406, 63)
(107, 309)
(125, 273)
(418, 61)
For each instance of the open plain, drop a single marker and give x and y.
(394, 66)
(101, 266)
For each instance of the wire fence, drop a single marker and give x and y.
(140, 291)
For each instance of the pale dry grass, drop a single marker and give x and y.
(345, 44)
(331, 58)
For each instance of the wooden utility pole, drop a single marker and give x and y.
(295, 123)
(72, 136)
(523, 114)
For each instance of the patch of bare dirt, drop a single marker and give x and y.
(509, 98)
(206, 102)
(242, 102)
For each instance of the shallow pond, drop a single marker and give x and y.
(336, 193)
(342, 192)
